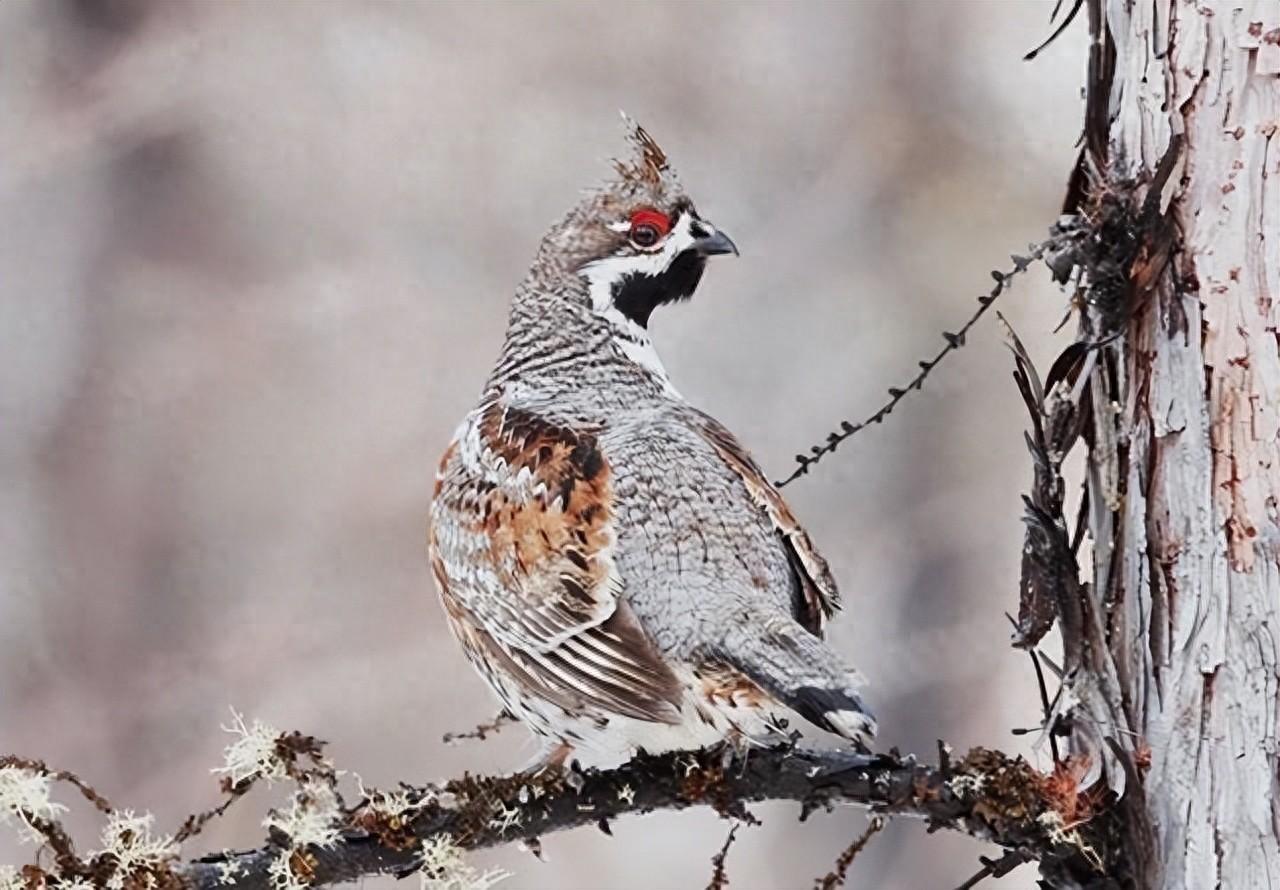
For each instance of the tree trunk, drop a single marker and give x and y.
(1183, 468)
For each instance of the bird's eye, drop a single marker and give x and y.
(645, 235)
(648, 227)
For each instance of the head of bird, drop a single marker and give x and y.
(637, 242)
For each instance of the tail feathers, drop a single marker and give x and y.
(806, 675)
(838, 711)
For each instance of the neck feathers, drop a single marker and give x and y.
(558, 337)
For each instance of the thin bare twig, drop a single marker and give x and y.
(195, 823)
(719, 875)
(995, 868)
(1046, 705)
(953, 342)
(481, 732)
(1062, 26)
(87, 791)
(835, 878)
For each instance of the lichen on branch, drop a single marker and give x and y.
(986, 794)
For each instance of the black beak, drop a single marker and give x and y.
(715, 243)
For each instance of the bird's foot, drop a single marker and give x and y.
(734, 751)
(552, 759)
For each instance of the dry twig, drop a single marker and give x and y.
(719, 876)
(954, 340)
(835, 878)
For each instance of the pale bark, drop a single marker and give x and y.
(1184, 467)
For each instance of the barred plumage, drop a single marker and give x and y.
(612, 560)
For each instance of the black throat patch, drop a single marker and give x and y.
(636, 295)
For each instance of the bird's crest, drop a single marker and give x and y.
(648, 163)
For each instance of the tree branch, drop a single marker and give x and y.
(987, 794)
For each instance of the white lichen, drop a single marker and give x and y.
(444, 867)
(312, 820)
(128, 840)
(281, 875)
(254, 754)
(10, 879)
(627, 795)
(1060, 833)
(228, 871)
(1052, 821)
(313, 817)
(392, 806)
(24, 796)
(506, 818)
(966, 785)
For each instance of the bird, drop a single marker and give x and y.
(612, 560)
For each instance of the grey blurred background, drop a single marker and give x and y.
(254, 265)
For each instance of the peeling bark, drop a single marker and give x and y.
(1184, 466)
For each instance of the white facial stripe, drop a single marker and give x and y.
(635, 344)
(601, 274)
(632, 339)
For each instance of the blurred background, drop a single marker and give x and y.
(254, 266)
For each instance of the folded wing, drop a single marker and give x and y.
(522, 548)
(819, 597)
